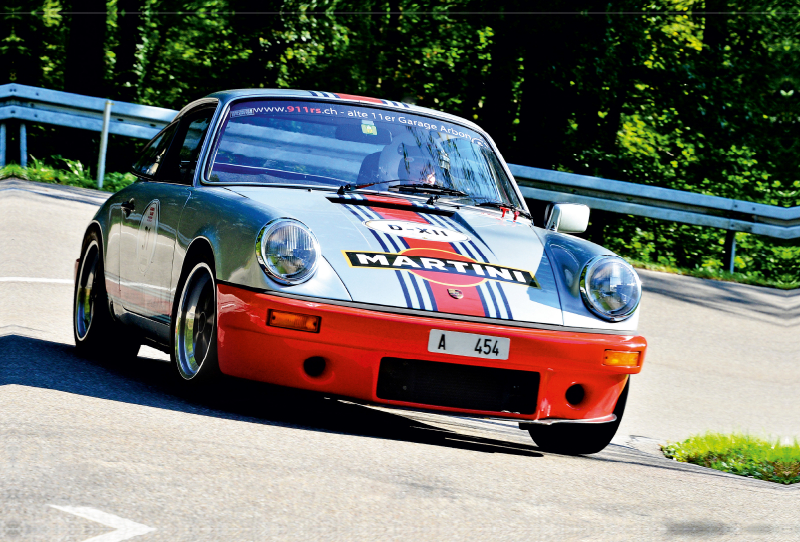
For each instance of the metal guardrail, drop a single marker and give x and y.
(32, 104)
(655, 202)
(40, 105)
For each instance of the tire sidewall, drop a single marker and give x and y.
(101, 318)
(580, 439)
(208, 367)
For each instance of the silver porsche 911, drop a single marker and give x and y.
(366, 249)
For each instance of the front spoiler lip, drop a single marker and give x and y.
(429, 314)
(545, 421)
(550, 421)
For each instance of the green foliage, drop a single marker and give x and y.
(666, 95)
(74, 174)
(776, 461)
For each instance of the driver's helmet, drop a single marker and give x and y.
(412, 156)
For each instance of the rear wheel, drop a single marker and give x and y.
(194, 333)
(577, 438)
(96, 333)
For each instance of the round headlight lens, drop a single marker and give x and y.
(288, 251)
(610, 288)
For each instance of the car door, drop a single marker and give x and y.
(150, 222)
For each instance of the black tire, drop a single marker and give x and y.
(579, 439)
(193, 336)
(97, 336)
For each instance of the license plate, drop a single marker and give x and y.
(468, 344)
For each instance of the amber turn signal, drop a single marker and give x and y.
(621, 359)
(291, 320)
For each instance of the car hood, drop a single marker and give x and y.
(398, 252)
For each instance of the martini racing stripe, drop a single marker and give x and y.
(403, 287)
(397, 243)
(418, 290)
(450, 223)
(472, 250)
(437, 294)
(417, 293)
(499, 287)
(472, 301)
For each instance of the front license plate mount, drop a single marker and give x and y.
(471, 345)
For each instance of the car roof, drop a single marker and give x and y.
(227, 96)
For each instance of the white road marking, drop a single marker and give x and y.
(34, 279)
(125, 528)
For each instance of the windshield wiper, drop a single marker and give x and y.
(505, 207)
(350, 187)
(414, 188)
(418, 188)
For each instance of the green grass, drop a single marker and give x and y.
(716, 274)
(73, 174)
(740, 454)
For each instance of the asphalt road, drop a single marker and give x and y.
(253, 462)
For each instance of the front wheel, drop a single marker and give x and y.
(194, 334)
(579, 439)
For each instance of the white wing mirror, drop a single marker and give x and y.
(567, 217)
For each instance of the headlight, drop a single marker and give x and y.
(288, 251)
(610, 288)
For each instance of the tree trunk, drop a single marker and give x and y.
(84, 71)
(125, 78)
(547, 97)
(499, 109)
(392, 87)
(261, 68)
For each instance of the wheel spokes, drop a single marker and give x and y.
(86, 294)
(195, 325)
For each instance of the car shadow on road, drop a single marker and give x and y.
(43, 364)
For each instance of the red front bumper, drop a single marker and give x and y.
(353, 341)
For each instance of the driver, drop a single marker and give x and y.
(409, 158)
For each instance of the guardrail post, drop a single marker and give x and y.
(730, 251)
(101, 160)
(3, 144)
(23, 145)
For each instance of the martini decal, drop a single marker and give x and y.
(416, 230)
(441, 266)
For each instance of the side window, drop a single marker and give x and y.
(182, 160)
(152, 156)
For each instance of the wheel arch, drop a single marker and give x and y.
(200, 249)
(95, 226)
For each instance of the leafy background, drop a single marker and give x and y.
(691, 95)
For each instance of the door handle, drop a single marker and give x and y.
(128, 206)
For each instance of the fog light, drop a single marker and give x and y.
(575, 394)
(621, 359)
(291, 320)
(314, 366)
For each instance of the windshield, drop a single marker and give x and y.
(333, 145)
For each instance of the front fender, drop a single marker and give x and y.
(230, 223)
(569, 255)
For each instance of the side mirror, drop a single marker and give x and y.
(566, 217)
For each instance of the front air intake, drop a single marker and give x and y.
(458, 386)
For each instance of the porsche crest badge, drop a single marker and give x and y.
(454, 293)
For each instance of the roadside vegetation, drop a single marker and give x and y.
(774, 461)
(72, 174)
